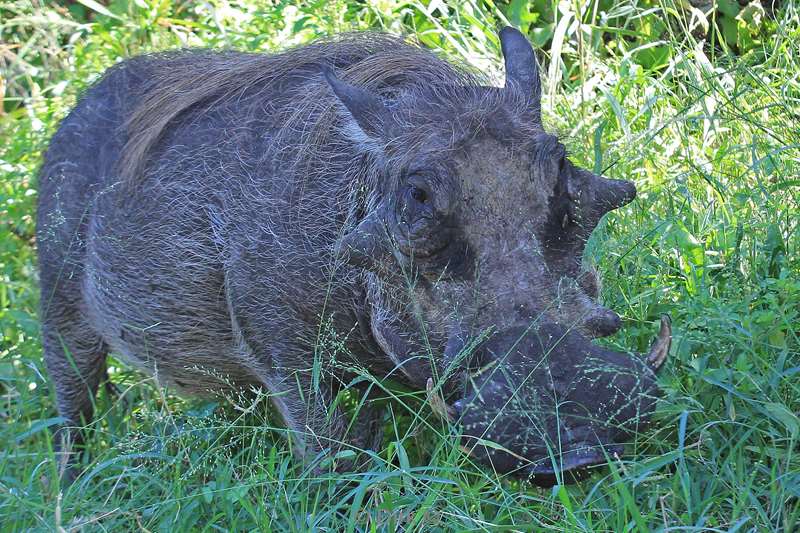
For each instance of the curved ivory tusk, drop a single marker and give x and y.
(437, 403)
(660, 349)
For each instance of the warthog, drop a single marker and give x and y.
(280, 221)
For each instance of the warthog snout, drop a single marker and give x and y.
(547, 403)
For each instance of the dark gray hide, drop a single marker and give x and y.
(231, 220)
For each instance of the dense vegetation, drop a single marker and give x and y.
(699, 105)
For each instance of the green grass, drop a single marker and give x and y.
(702, 112)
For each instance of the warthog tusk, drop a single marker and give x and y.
(437, 403)
(660, 349)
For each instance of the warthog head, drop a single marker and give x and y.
(472, 238)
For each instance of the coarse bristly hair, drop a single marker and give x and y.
(194, 205)
(306, 111)
(170, 213)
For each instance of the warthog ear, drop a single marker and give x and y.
(368, 114)
(522, 70)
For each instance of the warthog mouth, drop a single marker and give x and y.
(572, 465)
(550, 423)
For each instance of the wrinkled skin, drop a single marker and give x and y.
(234, 220)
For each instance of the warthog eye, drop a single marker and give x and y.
(418, 202)
(418, 194)
(421, 233)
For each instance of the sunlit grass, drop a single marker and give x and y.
(710, 135)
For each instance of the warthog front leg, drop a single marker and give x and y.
(316, 428)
